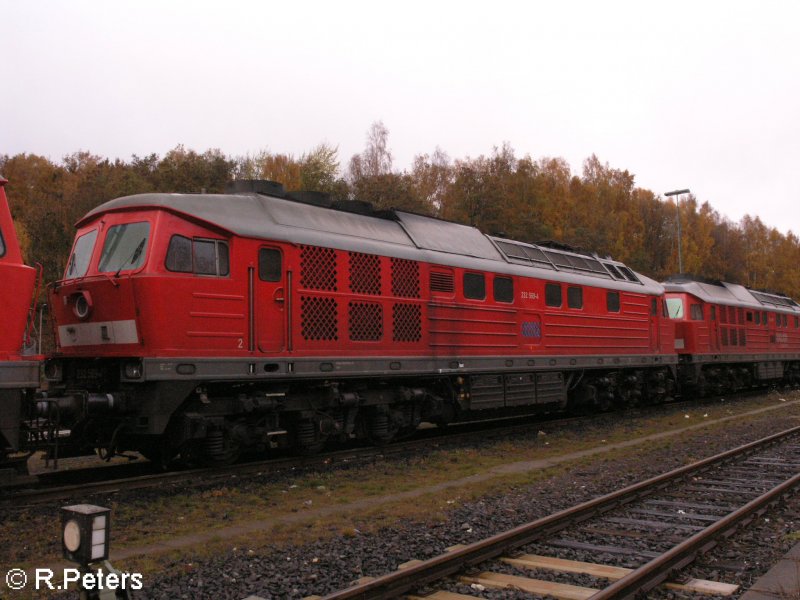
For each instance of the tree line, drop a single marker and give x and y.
(599, 209)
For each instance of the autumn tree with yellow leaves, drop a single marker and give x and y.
(601, 209)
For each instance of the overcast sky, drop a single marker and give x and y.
(701, 95)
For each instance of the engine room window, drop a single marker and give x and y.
(474, 286)
(125, 247)
(696, 312)
(675, 308)
(503, 289)
(79, 260)
(653, 307)
(713, 313)
(612, 301)
(269, 264)
(552, 294)
(575, 297)
(202, 257)
(758, 318)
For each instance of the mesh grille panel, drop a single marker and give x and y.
(406, 322)
(318, 268)
(405, 278)
(318, 318)
(366, 321)
(365, 274)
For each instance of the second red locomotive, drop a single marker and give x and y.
(730, 337)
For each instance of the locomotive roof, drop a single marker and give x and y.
(731, 294)
(391, 233)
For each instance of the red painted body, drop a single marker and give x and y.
(19, 369)
(723, 329)
(16, 290)
(183, 314)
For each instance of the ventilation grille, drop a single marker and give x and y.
(405, 278)
(406, 323)
(318, 318)
(366, 321)
(365, 274)
(442, 282)
(318, 268)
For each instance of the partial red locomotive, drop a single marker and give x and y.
(203, 324)
(730, 337)
(19, 365)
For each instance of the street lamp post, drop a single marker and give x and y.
(678, 206)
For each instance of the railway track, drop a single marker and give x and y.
(642, 534)
(81, 483)
(102, 480)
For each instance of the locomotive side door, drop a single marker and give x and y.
(271, 298)
(713, 329)
(655, 333)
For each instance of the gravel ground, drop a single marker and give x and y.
(333, 563)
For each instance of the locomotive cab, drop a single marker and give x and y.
(135, 287)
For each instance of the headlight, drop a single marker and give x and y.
(133, 370)
(53, 371)
(83, 305)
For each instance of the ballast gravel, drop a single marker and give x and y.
(334, 563)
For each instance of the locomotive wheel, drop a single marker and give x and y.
(308, 438)
(381, 429)
(219, 449)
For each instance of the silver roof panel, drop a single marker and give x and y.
(411, 236)
(730, 294)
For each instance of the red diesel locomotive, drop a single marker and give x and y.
(19, 366)
(729, 337)
(203, 324)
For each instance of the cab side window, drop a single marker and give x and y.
(198, 256)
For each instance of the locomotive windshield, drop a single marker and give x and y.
(79, 261)
(124, 248)
(675, 308)
(2, 245)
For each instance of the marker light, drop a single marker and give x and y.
(86, 529)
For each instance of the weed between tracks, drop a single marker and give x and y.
(309, 506)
